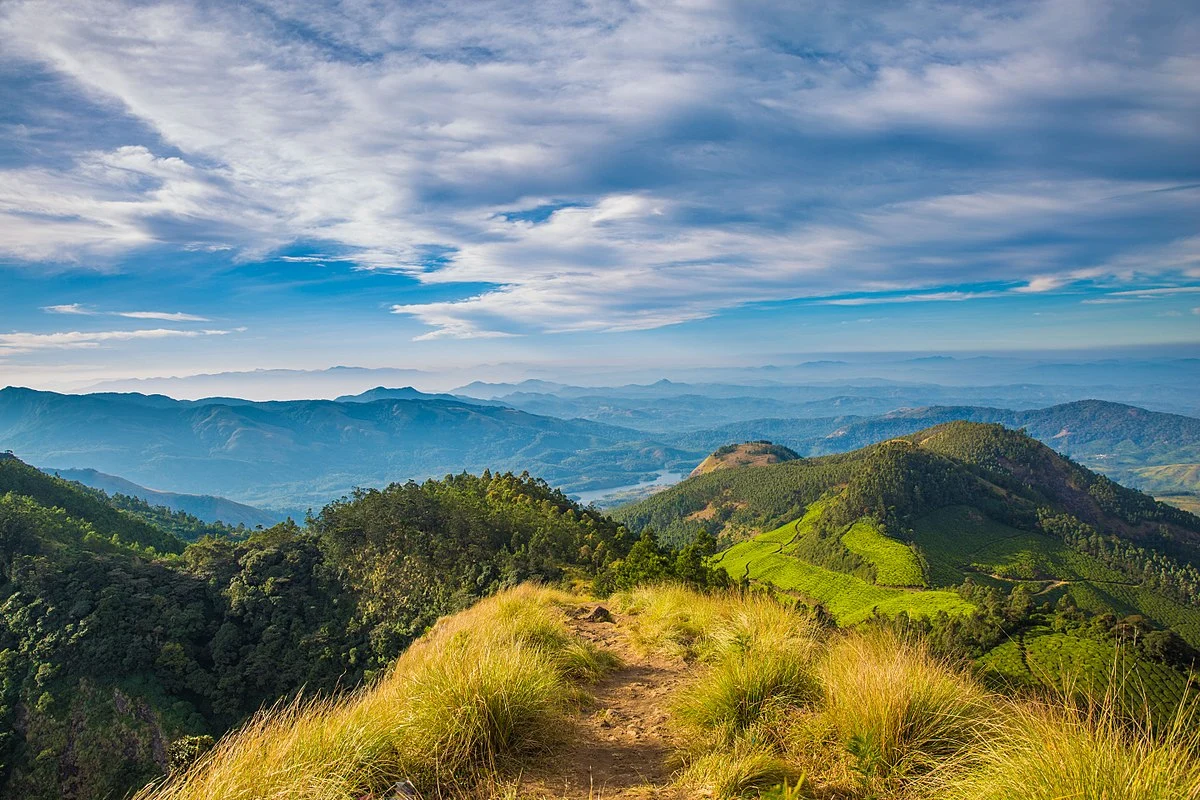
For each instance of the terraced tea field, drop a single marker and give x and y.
(1075, 663)
(895, 563)
(848, 598)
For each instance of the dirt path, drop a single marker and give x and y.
(621, 745)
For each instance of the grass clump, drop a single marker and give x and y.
(757, 661)
(1052, 751)
(480, 692)
(678, 621)
(749, 766)
(900, 712)
(743, 690)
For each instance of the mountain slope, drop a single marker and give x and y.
(205, 507)
(300, 453)
(969, 500)
(1119, 440)
(544, 695)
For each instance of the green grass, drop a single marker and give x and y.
(849, 599)
(899, 711)
(1058, 751)
(1068, 662)
(895, 563)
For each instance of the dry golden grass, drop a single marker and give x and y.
(478, 693)
(856, 715)
(1064, 751)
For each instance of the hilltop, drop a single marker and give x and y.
(749, 454)
(945, 522)
(1122, 441)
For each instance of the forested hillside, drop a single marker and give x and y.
(119, 642)
(972, 532)
(1148, 449)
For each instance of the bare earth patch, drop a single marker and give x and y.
(622, 745)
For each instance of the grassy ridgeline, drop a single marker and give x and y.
(778, 702)
(483, 690)
(776, 706)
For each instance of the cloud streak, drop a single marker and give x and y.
(25, 342)
(165, 316)
(562, 167)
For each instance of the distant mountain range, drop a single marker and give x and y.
(206, 507)
(1160, 378)
(282, 455)
(287, 455)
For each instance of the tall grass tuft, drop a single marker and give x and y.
(475, 695)
(677, 621)
(749, 766)
(900, 712)
(743, 690)
(1067, 750)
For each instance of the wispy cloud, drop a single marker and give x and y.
(23, 342)
(929, 297)
(695, 157)
(166, 316)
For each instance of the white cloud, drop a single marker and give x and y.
(166, 316)
(928, 297)
(23, 342)
(1043, 283)
(714, 154)
(69, 308)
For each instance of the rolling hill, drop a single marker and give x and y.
(921, 524)
(297, 454)
(1119, 440)
(750, 454)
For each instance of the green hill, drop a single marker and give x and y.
(954, 522)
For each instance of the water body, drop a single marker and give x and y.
(614, 494)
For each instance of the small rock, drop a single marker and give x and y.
(404, 790)
(599, 614)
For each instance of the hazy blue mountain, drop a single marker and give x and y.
(207, 507)
(290, 454)
(672, 406)
(408, 393)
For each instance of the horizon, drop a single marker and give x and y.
(446, 188)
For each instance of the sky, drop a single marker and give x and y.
(193, 187)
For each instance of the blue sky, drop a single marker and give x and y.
(206, 186)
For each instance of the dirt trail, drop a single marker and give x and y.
(621, 745)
